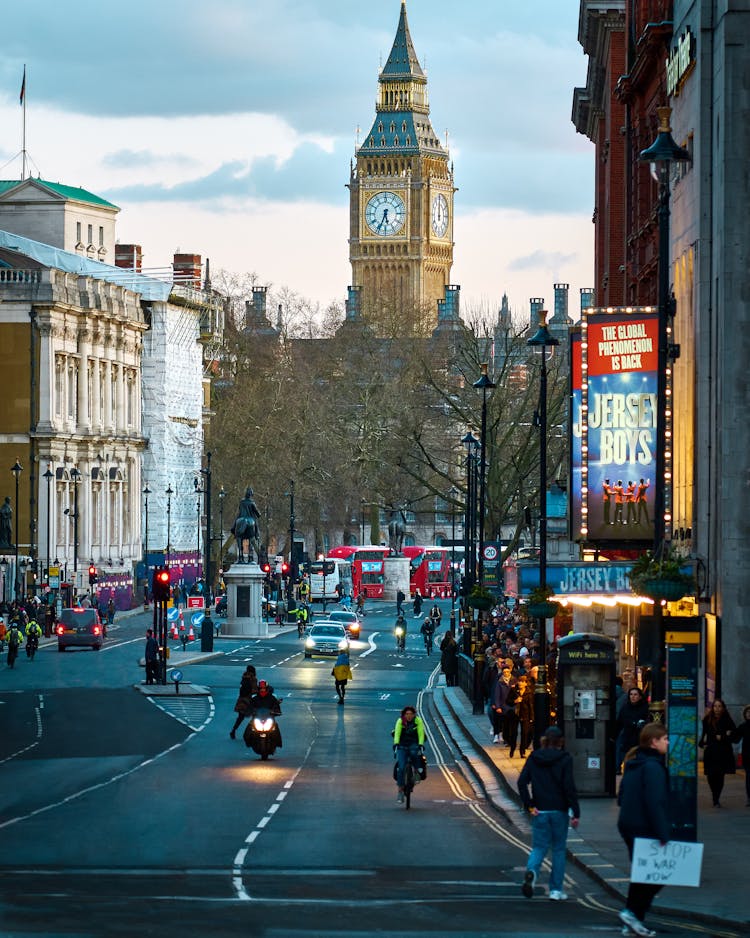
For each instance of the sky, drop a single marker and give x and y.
(226, 129)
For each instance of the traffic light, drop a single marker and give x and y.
(92, 575)
(284, 568)
(160, 585)
(266, 568)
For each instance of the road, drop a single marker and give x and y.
(125, 814)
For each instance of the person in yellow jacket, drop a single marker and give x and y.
(342, 673)
(408, 743)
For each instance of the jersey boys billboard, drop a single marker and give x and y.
(613, 451)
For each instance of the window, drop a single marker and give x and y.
(91, 234)
(78, 232)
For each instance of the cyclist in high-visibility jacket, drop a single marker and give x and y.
(408, 744)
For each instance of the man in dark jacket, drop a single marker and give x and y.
(644, 812)
(552, 803)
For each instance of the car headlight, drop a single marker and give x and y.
(310, 643)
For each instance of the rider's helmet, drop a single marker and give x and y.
(262, 688)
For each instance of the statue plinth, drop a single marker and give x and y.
(395, 577)
(244, 583)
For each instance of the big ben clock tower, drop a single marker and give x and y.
(401, 200)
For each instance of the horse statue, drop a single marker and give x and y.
(396, 531)
(245, 529)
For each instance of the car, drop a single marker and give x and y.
(326, 638)
(79, 627)
(350, 621)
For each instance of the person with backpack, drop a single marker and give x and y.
(14, 639)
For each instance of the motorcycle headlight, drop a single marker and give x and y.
(262, 724)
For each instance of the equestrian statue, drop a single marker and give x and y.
(396, 531)
(245, 529)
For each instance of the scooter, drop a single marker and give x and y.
(262, 733)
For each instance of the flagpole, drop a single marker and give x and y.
(23, 102)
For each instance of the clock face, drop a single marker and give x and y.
(385, 213)
(439, 215)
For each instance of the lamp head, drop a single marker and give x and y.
(146, 490)
(664, 149)
(484, 383)
(17, 470)
(542, 337)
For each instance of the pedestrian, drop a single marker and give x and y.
(449, 659)
(400, 599)
(243, 705)
(342, 673)
(716, 741)
(499, 704)
(631, 718)
(644, 812)
(110, 611)
(742, 735)
(525, 710)
(417, 607)
(553, 804)
(3, 632)
(151, 656)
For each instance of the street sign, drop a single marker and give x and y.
(196, 602)
(197, 618)
(173, 614)
(490, 552)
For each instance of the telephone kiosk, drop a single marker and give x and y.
(586, 709)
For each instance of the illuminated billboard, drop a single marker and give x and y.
(614, 363)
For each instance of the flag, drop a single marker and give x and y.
(23, 87)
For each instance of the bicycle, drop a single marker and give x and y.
(411, 776)
(400, 639)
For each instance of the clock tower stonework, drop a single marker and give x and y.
(401, 199)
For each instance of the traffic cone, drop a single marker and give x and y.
(191, 635)
(175, 633)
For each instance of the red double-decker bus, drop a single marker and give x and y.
(367, 568)
(429, 570)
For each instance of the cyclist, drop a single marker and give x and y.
(33, 634)
(435, 615)
(14, 642)
(399, 630)
(408, 745)
(428, 633)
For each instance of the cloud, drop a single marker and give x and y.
(542, 260)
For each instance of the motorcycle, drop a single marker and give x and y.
(32, 644)
(262, 733)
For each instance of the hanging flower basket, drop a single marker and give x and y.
(668, 590)
(545, 610)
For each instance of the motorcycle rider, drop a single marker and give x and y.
(33, 634)
(265, 702)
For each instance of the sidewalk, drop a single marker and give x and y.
(597, 847)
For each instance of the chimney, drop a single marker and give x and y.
(186, 270)
(560, 314)
(537, 305)
(129, 256)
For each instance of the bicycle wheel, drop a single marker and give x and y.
(408, 783)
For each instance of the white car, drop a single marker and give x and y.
(326, 638)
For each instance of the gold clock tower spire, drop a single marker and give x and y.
(401, 201)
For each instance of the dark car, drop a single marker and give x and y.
(81, 627)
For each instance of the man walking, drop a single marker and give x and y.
(151, 656)
(552, 804)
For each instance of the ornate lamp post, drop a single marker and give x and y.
(362, 504)
(16, 469)
(483, 384)
(48, 476)
(146, 493)
(542, 339)
(292, 557)
(453, 495)
(169, 493)
(222, 496)
(206, 489)
(662, 153)
(75, 475)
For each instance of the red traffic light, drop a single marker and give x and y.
(284, 567)
(266, 567)
(92, 570)
(162, 576)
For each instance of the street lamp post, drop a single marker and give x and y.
(542, 339)
(362, 518)
(146, 493)
(222, 496)
(292, 557)
(169, 493)
(662, 153)
(453, 494)
(48, 475)
(483, 384)
(17, 469)
(75, 475)
(206, 489)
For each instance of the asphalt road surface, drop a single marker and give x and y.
(124, 814)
